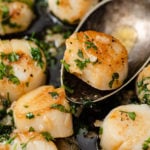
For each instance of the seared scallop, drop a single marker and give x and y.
(143, 85)
(98, 59)
(46, 110)
(28, 141)
(126, 128)
(15, 17)
(71, 11)
(22, 67)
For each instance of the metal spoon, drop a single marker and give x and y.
(109, 16)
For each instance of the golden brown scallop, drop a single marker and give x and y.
(22, 67)
(126, 128)
(15, 17)
(46, 110)
(98, 59)
(28, 141)
(143, 85)
(71, 11)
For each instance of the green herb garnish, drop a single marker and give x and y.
(68, 89)
(31, 129)
(37, 56)
(67, 66)
(82, 64)
(115, 76)
(132, 115)
(143, 90)
(23, 146)
(6, 18)
(10, 140)
(57, 2)
(80, 53)
(60, 108)
(54, 95)
(13, 57)
(47, 136)
(30, 115)
(5, 12)
(7, 71)
(100, 130)
(146, 143)
(90, 44)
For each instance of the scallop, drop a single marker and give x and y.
(28, 141)
(71, 10)
(126, 128)
(22, 67)
(15, 17)
(143, 85)
(46, 110)
(98, 59)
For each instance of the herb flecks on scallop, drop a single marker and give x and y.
(47, 136)
(131, 115)
(146, 144)
(67, 66)
(6, 71)
(37, 56)
(54, 95)
(13, 18)
(30, 115)
(59, 107)
(143, 85)
(96, 60)
(20, 71)
(128, 128)
(115, 77)
(30, 140)
(81, 63)
(48, 108)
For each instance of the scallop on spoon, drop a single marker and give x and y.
(127, 21)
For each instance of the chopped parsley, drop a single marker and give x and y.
(6, 18)
(80, 53)
(5, 12)
(115, 76)
(146, 143)
(68, 89)
(82, 64)
(10, 140)
(7, 71)
(100, 130)
(37, 56)
(57, 2)
(14, 79)
(143, 90)
(132, 115)
(12, 57)
(5, 131)
(54, 95)
(31, 129)
(60, 108)
(30, 115)
(67, 66)
(23, 146)
(47, 136)
(90, 44)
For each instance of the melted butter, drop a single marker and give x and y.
(127, 35)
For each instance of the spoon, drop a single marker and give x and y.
(130, 21)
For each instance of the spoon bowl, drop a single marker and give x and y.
(128, 21)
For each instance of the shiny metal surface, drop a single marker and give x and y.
(107, 17)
